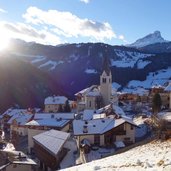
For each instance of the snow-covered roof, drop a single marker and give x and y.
(55, 100)
(82, 91)
(97, 126)
(99, 115)
(88, 114)
(48, 122)
(90, 91)
(157, 86)
(20, 118)
(136, 90)
(12, 112)
(119, 144)
(165, 116)
(116, 109)
(168, 88)
(52, 140)
(18, 157)
(54, 115)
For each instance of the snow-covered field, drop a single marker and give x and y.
(154, 156)
(90, 71)
(129, 59)
(154, 78)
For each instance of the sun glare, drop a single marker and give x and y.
(4, 40)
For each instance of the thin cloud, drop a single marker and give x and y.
(28, 33)
(69, 25)
(85, 1)
(122, 37)
(2, 10)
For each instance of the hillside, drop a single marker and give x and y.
(154, 156)
(70, 63)
(68, 68)
(23, 84)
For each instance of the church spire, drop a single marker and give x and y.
(105, 66)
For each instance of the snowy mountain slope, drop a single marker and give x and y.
(50, 64)
(129, 59)
(154, 78)
(70, 63)
(153, 156)
(152, 38)
(157, 78)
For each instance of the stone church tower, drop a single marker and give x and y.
(106, 83)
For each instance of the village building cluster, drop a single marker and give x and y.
(95, 119)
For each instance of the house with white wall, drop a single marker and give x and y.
(105, 131)
(53, 103)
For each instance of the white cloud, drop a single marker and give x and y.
(122, 37)
(85, 1)
(69, 25)
(2, 10)
(27, 33)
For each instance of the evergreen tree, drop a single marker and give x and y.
(67, 108)
(156, 103)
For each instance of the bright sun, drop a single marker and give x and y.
(4, 44)
(4, 40)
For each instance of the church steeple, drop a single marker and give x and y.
(105, 66)
(106, 82)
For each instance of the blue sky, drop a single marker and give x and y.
(54, 22)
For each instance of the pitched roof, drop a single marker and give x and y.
(98, 126)
(12, 112)
(52, 140)
(55, 122)
(54, 115)
(168, 88)
(90, 91)
(20, 118)
(18, 157)
(55, 100)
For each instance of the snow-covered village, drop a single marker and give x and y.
(85, 85)
(123, 129)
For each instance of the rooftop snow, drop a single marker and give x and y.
(48, 122)
(116, 109)
(98, 126)
(88, 114)
(165, 116)
(55, 100)
(12, 112)
(168, 88)
(21, 119)
(90, 91)
(54, 115)
(52, 140)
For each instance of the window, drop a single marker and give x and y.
(104, 80)
(14, 165)
(97, 139)
(89, 103)
(132, 127)
(127, 139)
